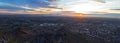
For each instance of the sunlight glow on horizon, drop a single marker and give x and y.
(85, 8)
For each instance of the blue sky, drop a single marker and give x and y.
(31, 3)
(17, 5)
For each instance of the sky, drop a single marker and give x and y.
(46, 6)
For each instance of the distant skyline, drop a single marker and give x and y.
(79, 6)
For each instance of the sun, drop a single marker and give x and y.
(85, 8)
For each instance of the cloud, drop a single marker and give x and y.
(113, 11)
(101, 1)
(31, 3)
(113, 4)
(18, 5)
(5, 7)
(11, 8)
